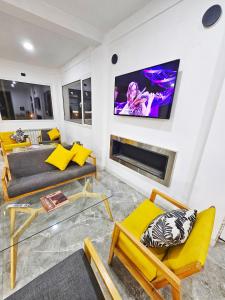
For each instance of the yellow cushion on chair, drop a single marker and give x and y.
(5, 137)
(60, 157)
(136, 223)
(195, 249)
(53, 134)
(9, 147)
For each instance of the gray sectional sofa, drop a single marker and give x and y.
(28, 173)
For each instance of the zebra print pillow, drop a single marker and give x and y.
(169, 229)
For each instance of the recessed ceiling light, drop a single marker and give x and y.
(28, 46)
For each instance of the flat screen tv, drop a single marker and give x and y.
(148, 92)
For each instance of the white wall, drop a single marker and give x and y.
(209, 186)
(11, 71)
(87, 64)
(162, 32)
(174, 33)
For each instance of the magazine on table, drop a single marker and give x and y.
(53, 201)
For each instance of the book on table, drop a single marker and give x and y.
(53, 201)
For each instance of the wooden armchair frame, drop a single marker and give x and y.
(92, 255)
(168, 277)
(6, 177)
(4, 151)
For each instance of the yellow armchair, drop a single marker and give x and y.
(7, 144)
(155, 268)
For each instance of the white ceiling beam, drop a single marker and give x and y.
(47, 16)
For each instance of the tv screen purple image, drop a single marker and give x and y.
(148, 92)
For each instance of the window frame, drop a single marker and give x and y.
(83, 124)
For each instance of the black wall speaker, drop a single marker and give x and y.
(114, 59)
(23, 74)
(212, 15)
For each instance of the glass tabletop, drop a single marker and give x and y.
(26, 217)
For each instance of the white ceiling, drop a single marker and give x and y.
(50, 49)
(59, 30)
(102, 14)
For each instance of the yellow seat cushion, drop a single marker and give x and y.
(10, 147)
(5, 137)
(80, 154)
(53, 134)
(136, 223)
(196, 247)
(60, 158)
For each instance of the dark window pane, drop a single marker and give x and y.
(72, 102)
(87, 101)
(25, 101)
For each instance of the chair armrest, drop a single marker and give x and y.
(92, 254)
(174, 281)
(167, 198)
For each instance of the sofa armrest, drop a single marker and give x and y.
(174, 281)
(28, 140)
(93, 158)
(5, 179)
(155, 192)
(39, 139)
(92, 255)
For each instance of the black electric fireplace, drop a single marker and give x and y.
(151, 161)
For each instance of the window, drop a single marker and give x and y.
(77, 101)
(25, 101)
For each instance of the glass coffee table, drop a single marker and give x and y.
(28, 218)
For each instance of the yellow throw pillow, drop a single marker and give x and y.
(81, 154)
(75, 149)
(53, 134)
(60, 158)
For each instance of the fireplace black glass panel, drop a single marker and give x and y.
(147, 160)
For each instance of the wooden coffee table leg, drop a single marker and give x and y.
(12, 215)
(15, 235)
(107, 207)
(13, 262)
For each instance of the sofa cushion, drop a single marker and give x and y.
(72, 278)
(80, 154)
(136, 223)
(26, 184)
(60, 157)
(29, 163)
(44, 135)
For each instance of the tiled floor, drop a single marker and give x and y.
(49, 247)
